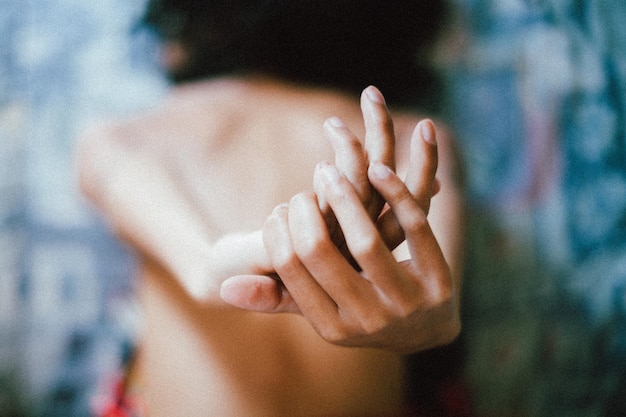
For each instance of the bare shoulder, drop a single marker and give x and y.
(104, 149)
(99, 151)
(182, 114)
(110, 133)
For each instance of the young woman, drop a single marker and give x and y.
(262, 185)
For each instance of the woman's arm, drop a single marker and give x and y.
(369, 298)
(145, 206)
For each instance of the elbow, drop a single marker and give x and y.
(86, 166)
(94, 163)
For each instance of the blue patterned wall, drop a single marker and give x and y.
(539, 101)
(65, 304)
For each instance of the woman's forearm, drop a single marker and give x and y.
(142, 203)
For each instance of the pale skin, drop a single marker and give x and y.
(226, 184)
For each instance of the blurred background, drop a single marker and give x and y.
(538, 100)
(66, 311)
(536, 91)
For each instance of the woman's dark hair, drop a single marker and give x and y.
(344, 44)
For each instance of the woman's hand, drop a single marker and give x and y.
(353, 158)
(367, 298)
(406, 306)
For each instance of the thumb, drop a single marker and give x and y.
(258, 293)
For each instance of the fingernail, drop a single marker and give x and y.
(428, 132)
(336, 122)
(374, 95)
(379, 170)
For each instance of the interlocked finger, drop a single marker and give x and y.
(350, 157)
(322, 259)
(420, 180)
(420, 177)
(423, 246)
(310, 297)
(362, 237)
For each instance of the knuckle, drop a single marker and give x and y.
(398, 193)
(334, 333)
(383, 122)
(416, 223)
(443, 299)
(311, 248)
(284, 261)
(442, 291)
(376, 323)
(405, 305)
(353, 144)
(336, 192)
(365, 246)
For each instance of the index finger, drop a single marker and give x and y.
(350, 157)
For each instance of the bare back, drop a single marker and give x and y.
(236, 149)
